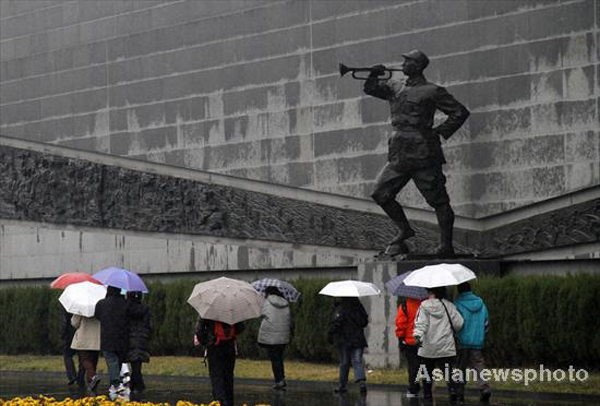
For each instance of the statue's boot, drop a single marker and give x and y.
(445, 217)
(405, 231)
(396, 249)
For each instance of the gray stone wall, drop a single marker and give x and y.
(250, 88)
(30, 251)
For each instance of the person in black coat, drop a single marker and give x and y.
(113, 313)
(140, 331)
(218, 339)
(73, 375)
(346, 332)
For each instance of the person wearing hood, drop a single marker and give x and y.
(347, 333)
(274, 331)
(472, 337)
(435, 326)
(140, 331)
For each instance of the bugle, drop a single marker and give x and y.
(345, 69)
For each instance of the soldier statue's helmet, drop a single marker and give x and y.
(417, 56)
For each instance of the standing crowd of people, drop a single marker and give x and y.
(121, 330)
(434, 332)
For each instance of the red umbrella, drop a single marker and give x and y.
(70, 278)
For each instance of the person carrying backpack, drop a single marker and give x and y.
(347, 332)
(218, 339)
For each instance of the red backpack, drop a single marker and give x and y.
(220, 335)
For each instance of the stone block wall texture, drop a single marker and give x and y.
(60, 249)
(250, 88)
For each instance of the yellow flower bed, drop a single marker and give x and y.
(42, 400)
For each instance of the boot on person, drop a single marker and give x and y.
(280, 385)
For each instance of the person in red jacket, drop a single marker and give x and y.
(405, 323)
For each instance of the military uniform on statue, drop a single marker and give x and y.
(415, 150)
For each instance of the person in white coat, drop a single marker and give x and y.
(436, 322)
(87, 343)
(274, 331)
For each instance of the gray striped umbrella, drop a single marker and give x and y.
(397, 287)
(289, 292)
(226, 300)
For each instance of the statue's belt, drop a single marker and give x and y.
(412, 129)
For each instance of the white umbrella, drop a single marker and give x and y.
(226, 300)
(433, 276)
(350, 288)
(81, 298)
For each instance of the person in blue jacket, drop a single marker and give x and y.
(472, 338)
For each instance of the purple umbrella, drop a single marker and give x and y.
(397, 287)
(122, 279)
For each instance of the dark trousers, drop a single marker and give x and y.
(471, 358)
(137, 380)
(354, 356)
(221, 363)
(276, 356)
(73, 374)
(113, 364)
(89, 360)
(445, 364)
(412, 359)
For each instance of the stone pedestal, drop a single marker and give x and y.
(383, 348)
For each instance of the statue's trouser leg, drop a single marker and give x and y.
(388, 185)
(393, 209)
(431, 182)
(445, 217)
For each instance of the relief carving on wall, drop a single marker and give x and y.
(54, 189)
(563, 227)
(47, 188)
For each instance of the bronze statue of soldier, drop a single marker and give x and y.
(415, 150)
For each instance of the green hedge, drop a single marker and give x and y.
(550, 320)
(30, 320)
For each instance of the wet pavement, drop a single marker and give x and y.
(249, 392)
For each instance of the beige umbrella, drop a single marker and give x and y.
(226, 300)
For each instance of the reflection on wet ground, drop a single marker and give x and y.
(197, 390)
